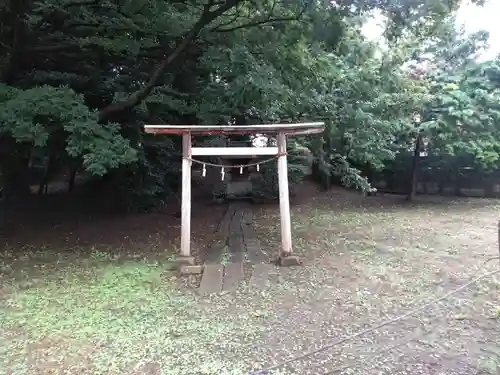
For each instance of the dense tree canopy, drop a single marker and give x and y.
(79, 78)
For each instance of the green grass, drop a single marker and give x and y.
(124, 314)
(88, 301)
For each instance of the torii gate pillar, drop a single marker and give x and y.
(284, 196)
(186, 196)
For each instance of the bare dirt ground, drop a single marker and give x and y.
(100, 310)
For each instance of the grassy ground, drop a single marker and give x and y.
(102, 310)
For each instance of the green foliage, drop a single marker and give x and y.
(155, 176)
(33, 115)
(370, 99)
(91, 87)
(462, 114)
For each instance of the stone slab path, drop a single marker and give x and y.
(211, 279)
(236, 248)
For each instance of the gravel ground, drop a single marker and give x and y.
(366, 260)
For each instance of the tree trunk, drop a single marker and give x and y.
(71, 179)
(412, 191)
(43, 188)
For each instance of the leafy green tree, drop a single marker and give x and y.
(459, 116)
(79, 79)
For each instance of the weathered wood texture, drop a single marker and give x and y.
(234, 151)
(186, 196)
(236, 245)
(211, 281)
(237, 241)
(233, 274)
(286, 226)
(226, 257)
(292, 129)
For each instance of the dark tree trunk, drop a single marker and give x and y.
(412, 190)
(43, 188)
(71, 179)
(458, 182)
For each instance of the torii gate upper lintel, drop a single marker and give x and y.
(281, 131)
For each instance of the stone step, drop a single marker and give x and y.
(225, 222)
(211, 281)
(236, 248)
(237, 243)
(260, 275)
(218, 277)
(233, 274)
(216, 252)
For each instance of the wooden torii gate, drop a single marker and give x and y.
(281, 131)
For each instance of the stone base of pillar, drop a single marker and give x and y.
(190, 270)
(289, 260)
(181, 260)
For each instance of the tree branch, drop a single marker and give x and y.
(81, 3)
(269, 19)
(63, 47)
(255, 23)
(206, 17)
(234, 18)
